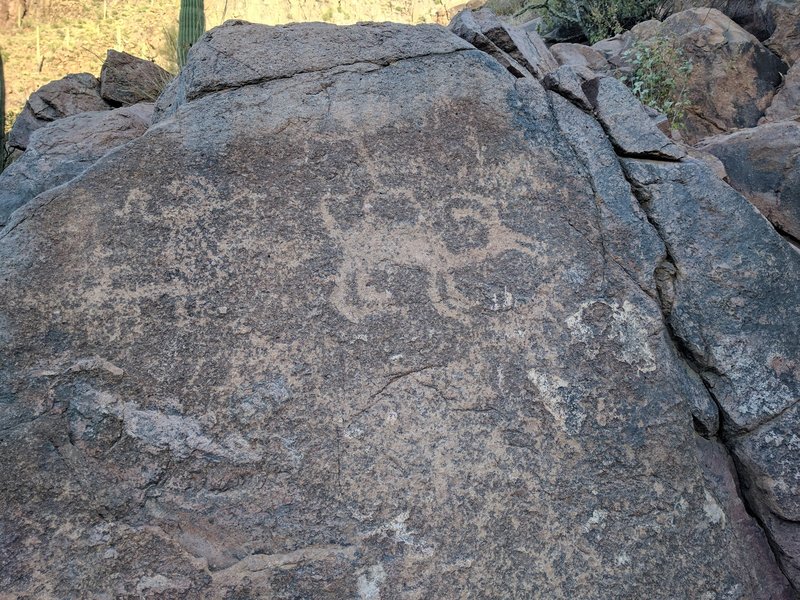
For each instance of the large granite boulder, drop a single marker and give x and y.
(731, 295)
(763, 163)
(64, 149)
(734, 77)
(65, 97)
(126, 79)
(774, 22)
(366, 316)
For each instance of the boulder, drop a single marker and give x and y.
(734, 77)
(784, 18)
(626, 121)
(731, 301)
(614, 49)
(63, 149)
(525, 47)
(786, 104)
(465, 26)
(567, 82)
(776, 23)
(126, 79)
(354, 320)
(71, 95)
(579, 55)
(763, 164)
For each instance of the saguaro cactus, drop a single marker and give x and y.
(191, 25)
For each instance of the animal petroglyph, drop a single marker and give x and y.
(377, 243)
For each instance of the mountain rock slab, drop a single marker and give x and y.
(351, 321)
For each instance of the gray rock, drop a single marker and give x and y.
(786, 103)
(626, 121)
(566, 82)
(618, 212)
(732, 269)
(126, 79)
(64, 149)
(524, 46)
(769, 459)
(511, 46)
(465, 26)
(733, 304)
(357, 331)
(763, 164)
(724, 497)
(71, 95)
(263, 55)
(580, 55)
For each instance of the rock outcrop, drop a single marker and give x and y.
(369, 314)
(126, 79)
(72, 95)
(763, 164)
(786, 104)
(734, 76)
(64, 149)
(521, 51)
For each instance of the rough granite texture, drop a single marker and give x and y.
(126, 79)
(64, 149)
(65, 97)
(763, 164)
(363, 316)
(626, 121)
(734, 77)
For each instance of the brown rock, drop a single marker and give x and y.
(784, 40)
(126, 79)
(579, 55)
(71, 95)
(786, 104)
(734, 76)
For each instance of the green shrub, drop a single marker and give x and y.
(592, 20)
(660, 77)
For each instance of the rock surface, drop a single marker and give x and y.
(579, 55)
(511, 46)
(366, 316)
(786, 104)
(64, 149)
(774, 22)
(626, 121)
(731, 299)
(71, 95)
(784, 16)
(763, 164)
(734, 76)
(126, 79)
